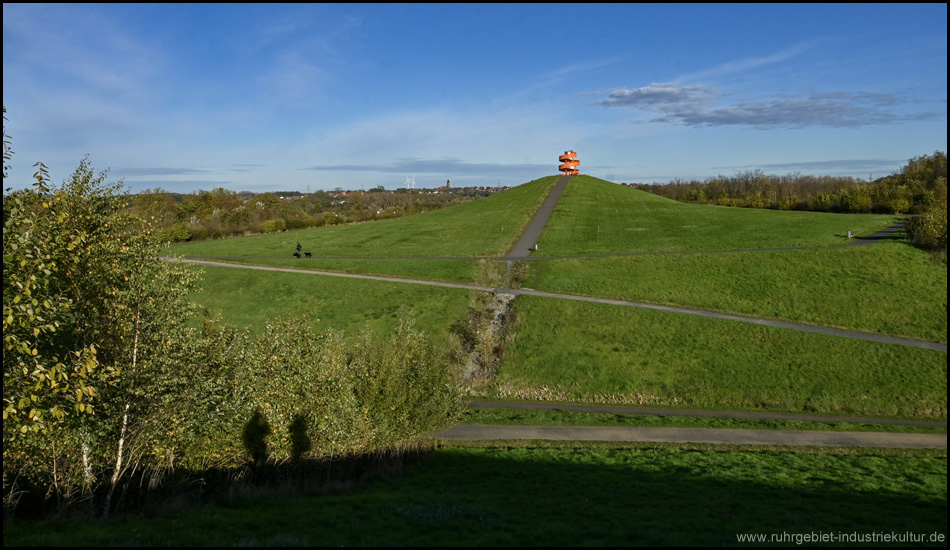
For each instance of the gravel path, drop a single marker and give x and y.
(664, 411)
(482, 432)
(802, 438)
(626, 303)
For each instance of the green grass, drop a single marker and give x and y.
(249, 298)
(570, 493)
(568, 350)
(598, 217)
(885, 288)
(446, 270)
(578, 495)
(558, 417)
(888, 287)
(595, 353)
(483, 228)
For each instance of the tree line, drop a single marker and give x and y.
(220, 212)
(111, 387)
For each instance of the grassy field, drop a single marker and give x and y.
(512, 494)
(599, 217)
(888, 288)
(575, 351)
(571, 493)
(438, 242)
(885, 288)
(247, 298)
(610, 354)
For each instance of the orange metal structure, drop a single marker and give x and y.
(570, 163)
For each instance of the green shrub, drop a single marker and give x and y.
(929, 228)
(323, 394)
(274, 226)
(405, 387)
(106, 384)
(178, 233)
(856, 200)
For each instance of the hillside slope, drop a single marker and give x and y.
(599, 217)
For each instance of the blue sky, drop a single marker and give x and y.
(307, 97)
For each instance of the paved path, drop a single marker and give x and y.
(804, 438)
(481, 432)
(664, 411)
(625, 303)
(886, 233)
(532, 232)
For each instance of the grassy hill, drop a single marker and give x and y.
(653, 250)
(581, 493)
(247, 298)
(438, 245)
(889, 288)
(595, 353)
(613, 354)
(599, 217)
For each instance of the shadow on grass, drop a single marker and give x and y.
(571, 497)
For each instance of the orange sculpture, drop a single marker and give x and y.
(570, 163)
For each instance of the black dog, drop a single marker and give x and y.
(307, 254)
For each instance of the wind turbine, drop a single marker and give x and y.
(411, 182)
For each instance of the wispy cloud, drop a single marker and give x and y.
(746, 64)
(558, 76)
(696, 105)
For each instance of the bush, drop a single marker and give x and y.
(929, 228)
(856, 200)
(274, 226)
(104, 380)
(93, 346)
(177, 233)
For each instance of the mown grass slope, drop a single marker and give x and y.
(887, 288)
(574, 351)
(597, 353)
(599, 217)
(432, 245)
(612, 354)
(248, 298)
